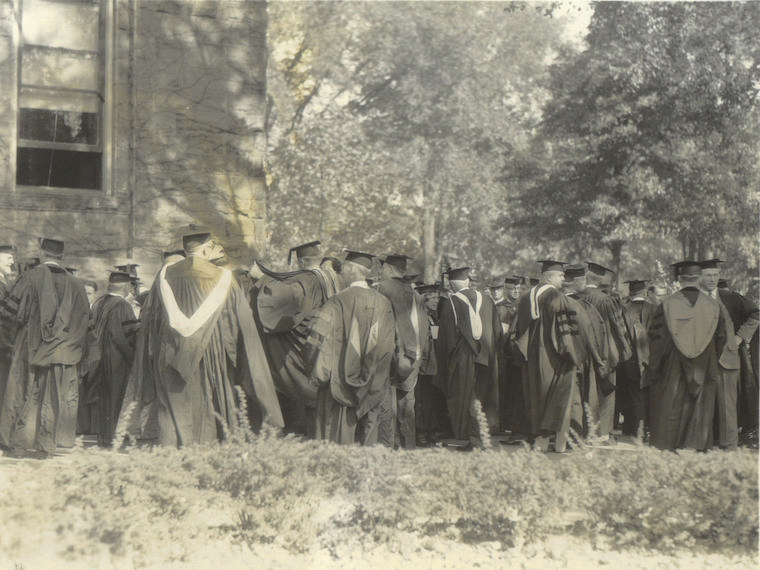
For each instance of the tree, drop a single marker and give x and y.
(391, 122)
(652, 130)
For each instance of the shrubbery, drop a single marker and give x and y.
(301, 495)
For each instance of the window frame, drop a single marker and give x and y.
(40, 197)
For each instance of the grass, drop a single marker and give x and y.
(300, 495)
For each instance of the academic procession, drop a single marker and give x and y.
(355, 348)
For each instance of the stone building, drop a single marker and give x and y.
(123, 120)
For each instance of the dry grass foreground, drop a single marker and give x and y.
(273, 502)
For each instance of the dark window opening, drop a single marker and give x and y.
(58, 168)
(59, 126)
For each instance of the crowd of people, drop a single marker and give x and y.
(358, 350)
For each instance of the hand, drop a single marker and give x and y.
(255, 271)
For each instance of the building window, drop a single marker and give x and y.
(61, 94)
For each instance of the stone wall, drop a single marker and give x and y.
(188, 100)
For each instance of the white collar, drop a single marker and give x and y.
(362, 284)
(177, 319)
(637, 298)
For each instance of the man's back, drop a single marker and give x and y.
(191, 281)
(54, 309)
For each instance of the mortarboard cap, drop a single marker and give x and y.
(597, 269)
(686, 267)
(514, 280)
(397, 260)
(91, 283)
(550, 265)
(7, 249)
(364, 259)
(310, 249)
(428, 288)
(130, 268)
(722, 284)
(575, 270)
(495, 282)
(533, 281)
(458, 274)
(710, 263)
(72, 270)
(53, 247)
(636, 286)
(119, 277)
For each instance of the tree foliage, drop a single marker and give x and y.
(392, 122)
(652, 131)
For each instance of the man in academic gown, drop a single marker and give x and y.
(738, 390)
(619, 343)
(690, 340)
(469, 334)
(511, 398)
(8, 328)
(546, 343)
(284, 304)
(594, 351)
(113, 330)
(431, 414)
(197, 341)
(631, 399)
(411, 340)
(134, 289)
(348, 357)
(49, 305)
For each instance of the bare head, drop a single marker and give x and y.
(207, 249)
(308, 262)
(355, 271)
(553, 277)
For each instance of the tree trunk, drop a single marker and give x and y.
(428, 241)
(705, 250)
(616, 247)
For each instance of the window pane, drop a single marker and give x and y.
(58, 168)
(72, 25)
(32, 98)
(53, 68)
(59, 126)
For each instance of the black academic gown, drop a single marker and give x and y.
(690, 340)
(283, 307)
(114, 329)
(39, 407)
(348, 356)
(548, 344)
(745, 318)
(619, 351)
(468, 367)
(631, 400)
(182, 385)
(411, 339)
(7, 335)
